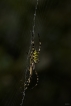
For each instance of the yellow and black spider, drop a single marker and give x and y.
(33, 60)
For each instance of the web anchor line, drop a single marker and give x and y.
(34, 18)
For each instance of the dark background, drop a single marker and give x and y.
(53, 23)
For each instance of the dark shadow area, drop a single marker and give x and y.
(53, 23)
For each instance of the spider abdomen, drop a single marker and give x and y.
(35, 56)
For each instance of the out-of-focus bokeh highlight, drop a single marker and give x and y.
(53, 23)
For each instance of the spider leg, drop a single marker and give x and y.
(28, 81)
(39, 43)
(32, 43)
(37, 79)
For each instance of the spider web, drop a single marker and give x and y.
(12, 96)
(33, 31)
(26, 72)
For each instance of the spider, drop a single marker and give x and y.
(33, 60)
